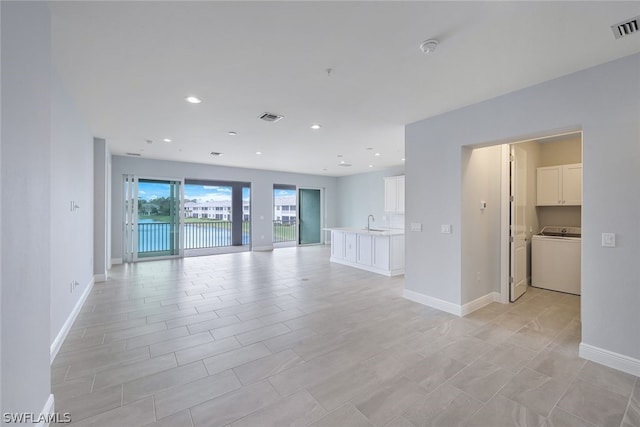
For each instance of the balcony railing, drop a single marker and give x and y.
(156, 236)
(284, 231)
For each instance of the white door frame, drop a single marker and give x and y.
(505, 256)
(133, 256)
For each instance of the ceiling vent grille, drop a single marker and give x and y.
(345, 165)
(133, 154)
(625, 28)
(270, 117)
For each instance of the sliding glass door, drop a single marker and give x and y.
(310, 221)
(153, 220)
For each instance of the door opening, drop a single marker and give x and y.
(153, 220)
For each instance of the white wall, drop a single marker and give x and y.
(101, 187)
(604, 102)
(481, 174)
(25, 243)
(71, 230)
(261, 192)
(363, 194)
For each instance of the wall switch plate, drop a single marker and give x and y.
(483, 205)
(445, 229)
(416, 226)
(609, 240)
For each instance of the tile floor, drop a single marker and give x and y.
(286, 338)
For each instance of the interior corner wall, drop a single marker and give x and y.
(480, 228)
(261, 192)
(25, 169)
(603, 102)
(101, 179)
(363, 194)
(72, 204)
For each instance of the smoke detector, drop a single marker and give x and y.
(625, 28)
(270, 117)
(428, 46)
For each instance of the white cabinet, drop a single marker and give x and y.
(560, 185)
(365, 249)
(394, 194)
(337, 244)
(382, 254)
(351, 247)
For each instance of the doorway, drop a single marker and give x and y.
(310, 216)
(217, 217)
(152, 220)
(285, 215)
(527, 212)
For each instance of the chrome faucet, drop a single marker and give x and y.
(370, 217)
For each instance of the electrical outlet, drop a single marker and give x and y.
(416, 226)
(445, 229)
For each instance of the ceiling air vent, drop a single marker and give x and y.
(625, 28)
(345, 165)
(133, 154)
(270, 117)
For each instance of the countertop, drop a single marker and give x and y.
(374, 231)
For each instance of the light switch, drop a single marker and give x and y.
(609, 240)
(483, 205)
(416, 226)
(445, 229)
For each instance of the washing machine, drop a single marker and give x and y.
(555, 259)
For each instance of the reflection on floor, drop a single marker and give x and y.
(287, 338)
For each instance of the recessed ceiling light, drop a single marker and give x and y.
(342, 162)
(370, 166)
(315, 126)
(193, 99)
(258, 152)
(402, 159)
(232, 133)
(167, 140)
(377, 154)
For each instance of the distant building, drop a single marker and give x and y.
(220, 210)
(285, 209)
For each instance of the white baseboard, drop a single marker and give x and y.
(47, 410)
(423, 299)
(478, 303)
(389, 273)
(97, 278)
(64, 331)
(262, 248)
(611, 359)
(116, 261)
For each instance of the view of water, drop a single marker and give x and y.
(156, 236)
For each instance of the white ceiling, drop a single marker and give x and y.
(129, 66)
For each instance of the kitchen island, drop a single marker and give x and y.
(377, 250)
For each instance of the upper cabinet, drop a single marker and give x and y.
(394, 194)
(560, 185)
